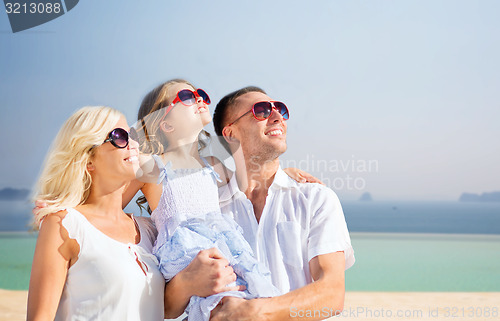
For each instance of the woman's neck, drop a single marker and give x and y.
(105, 200)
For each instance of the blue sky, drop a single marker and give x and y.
(411, 86)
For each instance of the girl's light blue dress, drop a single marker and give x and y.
(188, 219)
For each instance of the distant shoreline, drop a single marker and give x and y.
(433, 217)
(14, 194)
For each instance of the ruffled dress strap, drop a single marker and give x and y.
(165, 169)
(215, 175)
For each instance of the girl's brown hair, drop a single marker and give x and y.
(149, 118)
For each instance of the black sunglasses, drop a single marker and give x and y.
(119, 137)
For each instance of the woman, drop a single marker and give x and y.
(92, 261)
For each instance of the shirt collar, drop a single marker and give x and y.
(228, 191)
(281, 179)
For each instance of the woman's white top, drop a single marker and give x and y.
(111, 280)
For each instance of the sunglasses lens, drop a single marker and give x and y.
(119, 137)
(204, 96)
(282, 109)
(187, 97)
(262, 110)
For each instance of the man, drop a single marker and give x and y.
(297, 230)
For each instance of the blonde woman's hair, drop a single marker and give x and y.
(65, 181)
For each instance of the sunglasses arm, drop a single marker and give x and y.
(167, 110)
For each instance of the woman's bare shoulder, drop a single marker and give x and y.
(55, 218)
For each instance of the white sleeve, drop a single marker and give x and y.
(328, 229)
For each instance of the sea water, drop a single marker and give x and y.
(399, 246)
(16, 254)
(424, 262)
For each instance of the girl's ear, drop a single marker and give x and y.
(166, 128)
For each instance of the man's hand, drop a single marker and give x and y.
(236, 309)
(209, 273)
(327, 290)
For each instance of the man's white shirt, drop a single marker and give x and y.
(299, 222)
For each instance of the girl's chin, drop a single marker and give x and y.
(206, 118)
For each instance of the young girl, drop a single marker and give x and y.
(185, 206)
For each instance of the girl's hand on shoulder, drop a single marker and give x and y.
(39, 204)
(301, 176)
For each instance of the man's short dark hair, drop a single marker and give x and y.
(224, 106)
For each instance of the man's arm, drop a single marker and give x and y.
(209, 273)
(316, 301)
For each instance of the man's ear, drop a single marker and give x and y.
(166, 128)
(228, 134)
